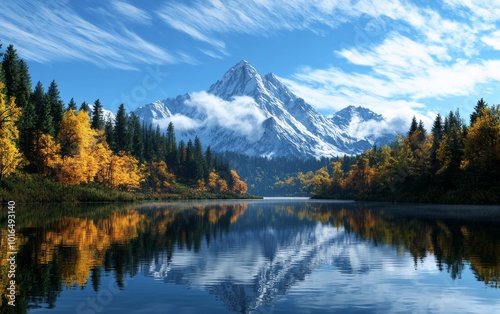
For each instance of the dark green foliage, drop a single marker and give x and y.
(109, 131)
(481, 104)
(72, 105)
(172, 155)
(413, 126)
(11, 71)
(121, 134)
(55, 104)
(147, 139)
(43, 117)
(85, 107)
(97, 121)
(135, 136)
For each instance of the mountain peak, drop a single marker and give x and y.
(269, 121)
(241, 79)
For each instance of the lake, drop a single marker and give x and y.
(256, 256)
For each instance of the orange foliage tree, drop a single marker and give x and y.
(10, 157)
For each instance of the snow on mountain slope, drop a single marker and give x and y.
(248, 113)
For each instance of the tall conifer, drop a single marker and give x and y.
(97, 116)
(56, 105)
(121, 134)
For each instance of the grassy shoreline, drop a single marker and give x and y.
(24, 188)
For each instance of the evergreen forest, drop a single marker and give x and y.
(58, 146)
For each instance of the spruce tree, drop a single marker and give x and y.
(171, 157)
(413, 126)
(72, 105)
(10, 66)
(422, 132)
(121, 133)
(56, 105)
(209, 159)
(43, 125)
(481, 105)
(147, 132)
(109, 131)
(97, 116)
(43, 122)
(199, 164)
(17, 74)
(85, 107)
(437, 135)
(182, 160)
(136, 136)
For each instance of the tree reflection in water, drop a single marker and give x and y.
(69, 247)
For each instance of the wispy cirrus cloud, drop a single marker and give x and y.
(131, 12)
(407, 53)
(52, 31)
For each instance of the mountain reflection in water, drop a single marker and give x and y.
(255, 255)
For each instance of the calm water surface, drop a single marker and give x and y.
(263, 256)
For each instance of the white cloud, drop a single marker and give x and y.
(53, 31)
(240, 115)
(492, 40)
(131, 12)
(182, 123)
(407, 54)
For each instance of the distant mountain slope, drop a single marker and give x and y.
(247, 113)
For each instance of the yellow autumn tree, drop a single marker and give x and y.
(123, 171)
(10, 157)
(78, 146)
(217, 184)
(49, 153)
(482, 147)
(159, 178)
(239, 186)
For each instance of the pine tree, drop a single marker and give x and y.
(413, 126)
(135, 133)
(10, 66)
(43, 126)
(85, 107)
(110, 133)
(147, 132)
(56, 105)
(43, 118)
(23, 92)
(451, 149)
(200, 168)
(97, 116)
(172, 157)
(182, 161)
(16, 71)
(437, 135)
(209, 160)
(71, 105)
(121, 133)
(481, 105)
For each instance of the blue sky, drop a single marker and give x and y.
(396, 57)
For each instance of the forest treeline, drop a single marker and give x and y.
(453, 163)
(40, 136)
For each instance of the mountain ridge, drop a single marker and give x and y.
(251, 114)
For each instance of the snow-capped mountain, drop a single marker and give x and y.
(107, 114)
(248, 113)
